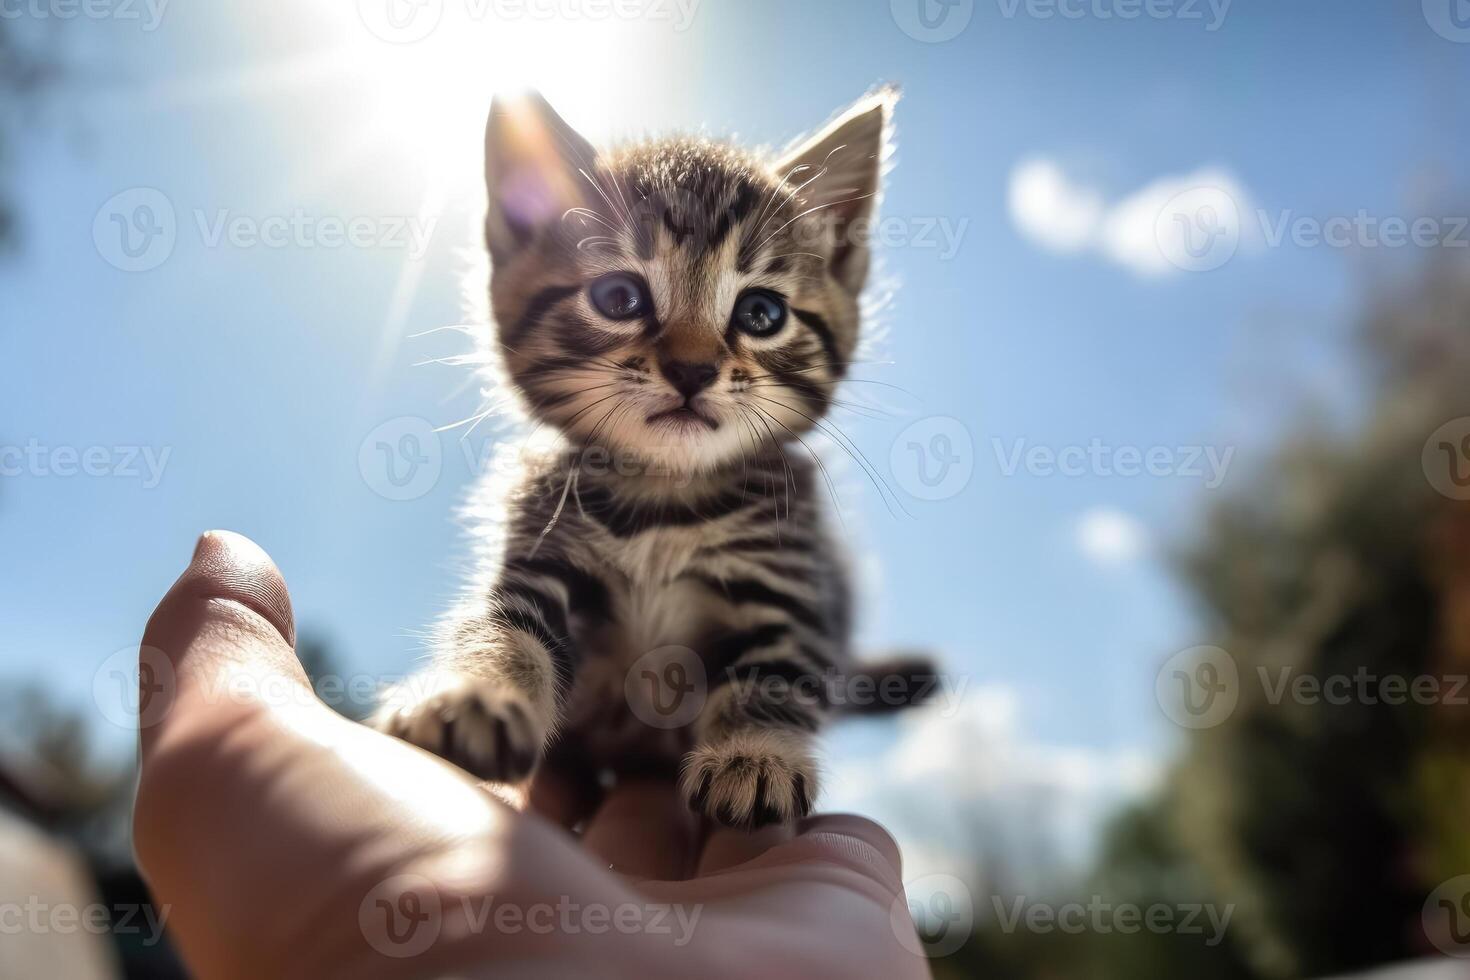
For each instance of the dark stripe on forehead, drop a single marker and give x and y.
(538, 307)
(643, 238)
(745, 258)
(738, 211)
(681, 233)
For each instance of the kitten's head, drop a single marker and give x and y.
(678, 300)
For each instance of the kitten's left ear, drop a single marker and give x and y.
(534, 171)
(842, 168)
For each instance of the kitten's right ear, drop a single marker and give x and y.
(534, 166)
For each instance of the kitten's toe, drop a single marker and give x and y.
(751, 780)
(488, 730)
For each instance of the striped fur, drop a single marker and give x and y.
(641, 533)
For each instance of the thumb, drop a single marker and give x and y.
(223, 633)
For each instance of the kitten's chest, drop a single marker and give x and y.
(655, 599)
(655, 606)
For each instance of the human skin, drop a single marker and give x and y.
(288, 841)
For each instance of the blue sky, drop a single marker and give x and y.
(261, 370)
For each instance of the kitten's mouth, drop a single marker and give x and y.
(684, 416)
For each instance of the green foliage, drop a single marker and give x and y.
(1323, 826)
(1322, 820)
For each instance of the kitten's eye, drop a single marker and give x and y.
(619, 296)
(759, 313)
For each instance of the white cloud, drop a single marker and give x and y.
(1191, 222)
(1111, 537)
(967, 793)
(1051, 210)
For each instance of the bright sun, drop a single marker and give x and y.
(424, 70)
(395, 92)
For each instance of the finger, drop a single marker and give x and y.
(224, 632)
(564, 797)
(725, 848)
(645, 831)
(252, 790)
(844, 840)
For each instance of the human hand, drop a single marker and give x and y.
(288, 841)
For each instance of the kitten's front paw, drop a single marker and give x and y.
(489, 730)
(751, 779)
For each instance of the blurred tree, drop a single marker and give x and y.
(51, 777)
(1142, 865)
(1325, 826)
(29, 64)
(1330, 823)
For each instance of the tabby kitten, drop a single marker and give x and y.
(680, 311)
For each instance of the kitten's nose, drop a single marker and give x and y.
(689, 379)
